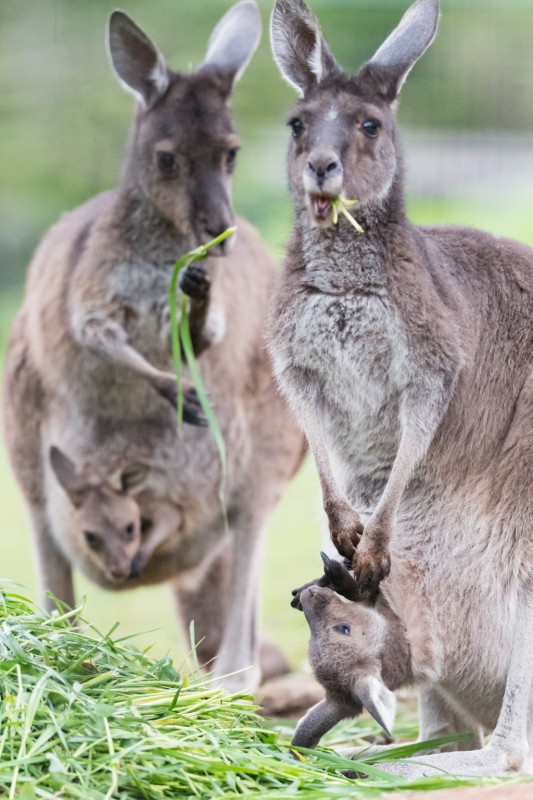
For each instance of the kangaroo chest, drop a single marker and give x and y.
(350, 346)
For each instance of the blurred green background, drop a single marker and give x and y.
(467, 117)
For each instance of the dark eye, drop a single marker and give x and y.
(130, 529)
(297, 126)
(371, 128)
(231, 158)
(165, 161)
(92, 540)
(344, 629)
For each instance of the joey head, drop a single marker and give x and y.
(359, 652)
(105, 524)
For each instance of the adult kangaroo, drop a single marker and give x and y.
(409, 351)
(89, 367)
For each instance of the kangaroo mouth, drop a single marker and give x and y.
(320, 208)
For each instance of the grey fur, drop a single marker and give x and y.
(407, 351)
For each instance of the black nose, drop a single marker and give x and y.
(324, 164)
(215, 229)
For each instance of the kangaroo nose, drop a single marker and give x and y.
(214, 229)
(324, 164)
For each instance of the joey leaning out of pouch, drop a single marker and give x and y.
(409, 352)
(90, 370)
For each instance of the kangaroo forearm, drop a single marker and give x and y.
(109, 339)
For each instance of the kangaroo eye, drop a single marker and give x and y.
(92, 540)
(165, 161)
(231, 158)
(344, 629)
(130, 529)
(371, 128)
(297, 126)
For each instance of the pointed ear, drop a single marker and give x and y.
(234, 39)
(302, 53)
(379, 701)
(132, 478)
(399, 53)
(141, 68)
(74, 484)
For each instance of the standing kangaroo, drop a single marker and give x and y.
(409, 351)
(89, 367)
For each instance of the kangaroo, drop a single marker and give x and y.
(408, 351)
(89, 366)
(109, 531)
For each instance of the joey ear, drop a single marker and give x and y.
(140, 66)
(317, 722)
(379, 701)
(401, 50)
(74, 484)
(133, 477)
(234, 39)
(302, 53)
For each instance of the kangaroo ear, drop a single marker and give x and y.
(401, 50)
(302, 53)
(74, 484)
(234, 39)
(379, 701)
(141, 68)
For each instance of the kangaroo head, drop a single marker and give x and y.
(344, 138)
(106, 520)
(184, 145)
(346, 652)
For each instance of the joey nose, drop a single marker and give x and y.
(120, 573)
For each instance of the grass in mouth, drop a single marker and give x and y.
(340, 205)
(85, 715)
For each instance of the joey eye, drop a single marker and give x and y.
(165, 161)
(92, 540)
(129, 530)
(297, 126)
(371, 128)
(231, 158)
(344, 629)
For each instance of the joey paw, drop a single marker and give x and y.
(340, 579)
(195, 282)
(372, 563)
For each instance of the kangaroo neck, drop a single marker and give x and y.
(340, 260)
(144, 230)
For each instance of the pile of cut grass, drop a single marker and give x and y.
(85, 715)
